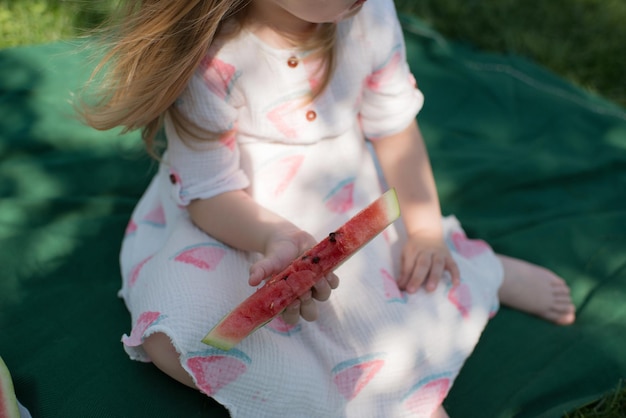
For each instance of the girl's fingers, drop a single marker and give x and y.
(420, 272)
(263, 269)
(304, 307)
(308, 309)
(333, 280)
(407, 263)
(453, 269)
(257, 274)
(321, 290)
(436, 271)
(291, 314)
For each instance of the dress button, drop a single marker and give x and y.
(311, 115)
(292, 62)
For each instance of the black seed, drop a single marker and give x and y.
(315, 260)
(331, 237)
(304, 257)
(285, 277)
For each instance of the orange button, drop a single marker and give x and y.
(311, 115)
(292, 62)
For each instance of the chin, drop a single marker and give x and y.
(350, 13)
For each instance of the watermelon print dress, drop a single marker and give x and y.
(375, 351)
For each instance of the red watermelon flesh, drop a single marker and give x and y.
(8, 401)
(285, 287)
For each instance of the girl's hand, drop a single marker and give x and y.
(281, 250)
(424, 259)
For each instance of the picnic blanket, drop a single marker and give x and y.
(527, 161)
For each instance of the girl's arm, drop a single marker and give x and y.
(405, 164)
(235, 219)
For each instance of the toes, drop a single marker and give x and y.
(566, 319)
(562, 311)
(561, 299)
(564, 314)
(559, 286)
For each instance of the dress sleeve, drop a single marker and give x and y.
(391, 99)
(201, 169)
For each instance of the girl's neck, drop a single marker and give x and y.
(275, 26)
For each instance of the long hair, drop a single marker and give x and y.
(152, 51)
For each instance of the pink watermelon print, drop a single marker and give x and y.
(469, 248)
(219, 76)
(134, 273)
(313, 70)
(279, 326)
(351, 376)
(390, 286)
(143, 323)
(461, 297)
(156, 217)
(205, 256)
(386, 236)
(131, 228)
(279, 173)
(281, 115)
(341, 198)
(425, 397)
(213, 369)
(288, 167)
(383, 74)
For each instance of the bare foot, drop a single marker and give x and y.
(536, 290)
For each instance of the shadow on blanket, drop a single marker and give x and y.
(535, 165)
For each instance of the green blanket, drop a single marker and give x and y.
(530, 163)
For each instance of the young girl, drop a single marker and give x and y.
(266, 106)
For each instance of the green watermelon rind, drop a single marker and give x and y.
(8, 400)
(387, 204)
(221, 343)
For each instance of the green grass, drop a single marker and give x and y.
(581, 40)
(26, 22)
(584, 41)
(612, 405)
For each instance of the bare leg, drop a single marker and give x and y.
(440, 413)
(164, 356)
(536, 290)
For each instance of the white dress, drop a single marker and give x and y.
(374, 351)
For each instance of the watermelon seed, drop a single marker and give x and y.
(331, 237)
(315, 260)
(285, 277)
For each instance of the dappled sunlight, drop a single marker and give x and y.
(452, 335)
(29, 180)
(538, 173)
(615, 137)
(51, 173)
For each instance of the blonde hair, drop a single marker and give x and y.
(152, 51)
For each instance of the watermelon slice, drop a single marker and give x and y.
(8, 401)
(285, 287)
